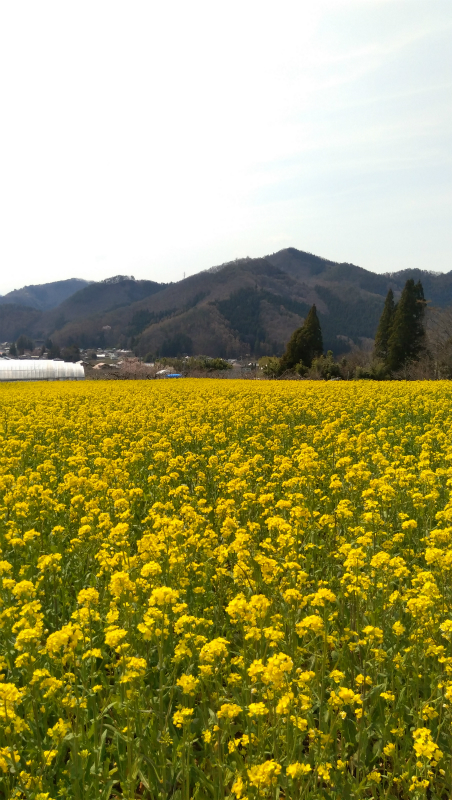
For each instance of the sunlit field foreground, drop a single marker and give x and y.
(225, 589)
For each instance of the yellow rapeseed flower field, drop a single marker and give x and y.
(225, 589)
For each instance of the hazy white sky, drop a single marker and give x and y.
(154, 138)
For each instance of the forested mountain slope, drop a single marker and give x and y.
(245, 307)
(44, 296)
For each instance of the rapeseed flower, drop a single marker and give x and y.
(274, 556)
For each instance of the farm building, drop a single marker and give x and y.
(40, 370)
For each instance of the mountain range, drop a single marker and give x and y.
(250, 306)
(44, 295)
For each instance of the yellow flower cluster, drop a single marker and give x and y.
(225, 589)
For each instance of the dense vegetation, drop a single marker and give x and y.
(400, 343)
(304, 345)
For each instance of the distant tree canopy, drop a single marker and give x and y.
(212, 364)
(53, 351)
(304, 345)
(23, 343)
(400, 337)
(178, 345)
(71, 353)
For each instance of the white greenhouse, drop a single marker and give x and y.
(40, 370)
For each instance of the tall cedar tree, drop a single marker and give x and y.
(385, 327)
(304, 345)
(407, 334)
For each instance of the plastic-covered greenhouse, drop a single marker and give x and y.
(39, 370)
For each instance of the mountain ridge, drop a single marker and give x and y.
(44, 296)
(244, 307)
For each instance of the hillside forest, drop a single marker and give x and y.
(247, 308)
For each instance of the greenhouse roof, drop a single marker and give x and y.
(39, 370)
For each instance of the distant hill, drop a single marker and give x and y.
(84, 310)
(95, 301)
(245, 307)
(15, 320)
(43, 295)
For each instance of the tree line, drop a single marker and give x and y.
(400, 337)
(400, 341)
(25, 345)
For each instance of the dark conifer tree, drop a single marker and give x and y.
(407, 334)
(312, 337)
(385, 327)
(23, 343)
(304, 345)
